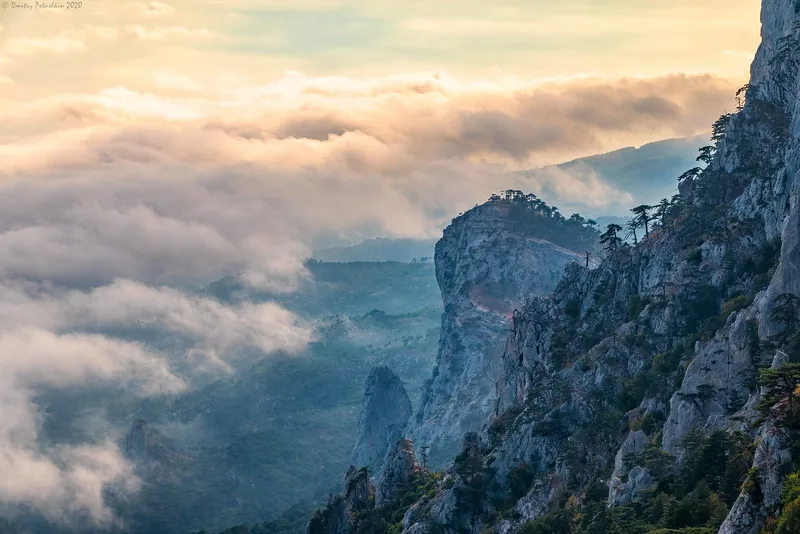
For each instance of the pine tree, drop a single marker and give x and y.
(610, 239)
(643, 217)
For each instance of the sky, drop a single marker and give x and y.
(148, 148)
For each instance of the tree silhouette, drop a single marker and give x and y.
(662, 210)
(690, 175)
(719, 127)
(642, 217)
(786, 310)
(632, 225)
(423, 454)
(707, 154)
(781, 383)
(741, 96)
(610, 239)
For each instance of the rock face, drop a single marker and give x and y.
(600, 381)
(399, 470)
(385, 412)
(339, 515)
(717, 383)
(487, 265)
(638, 479)
(762, 494)
(134, 445)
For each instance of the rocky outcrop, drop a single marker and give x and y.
(340, 514)
(135, 443)
(601, 380)
(385, 412)
(639, 480)
(717, 383)
(636, 479)
(761, 494)
(487, 265)
(399, 471)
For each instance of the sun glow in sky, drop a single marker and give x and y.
(185, 45)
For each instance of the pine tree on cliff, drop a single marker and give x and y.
(643, 217)
(632, 226)
(610, 240)
(662, 211)
(720, 126)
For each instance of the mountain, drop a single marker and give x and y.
(385, 412)
(659, 391)
(488, 262)
(379, 249)
(648, 173)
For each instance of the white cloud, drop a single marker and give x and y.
(66, 482)
(42, 349)
(161, 33)
(153, 9)
(173, 80)
(28, 46)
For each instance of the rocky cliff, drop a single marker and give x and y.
(340, 514)
(384, 413)
(488, 262)
(630, 380)
(658, 392)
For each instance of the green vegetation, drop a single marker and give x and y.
(388, 519)
(533, 215)
(693, 501)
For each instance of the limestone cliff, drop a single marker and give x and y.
(618, 376)
(400, 469)
(488, 262)
(630, 397)
(385, 411)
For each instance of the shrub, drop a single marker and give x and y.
(573, 309)
(636, 304)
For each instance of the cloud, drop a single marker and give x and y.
(68, 339)
(153, 9)
(65, 482)
(59, 45)
(161, 33)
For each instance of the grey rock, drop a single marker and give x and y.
(486, 267)
(717, 383)
(385, 411)
(632, 448)
(400, 469)
(339, 515)
(772, 462)
(639, 481)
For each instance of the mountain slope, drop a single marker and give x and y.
(659, 391)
